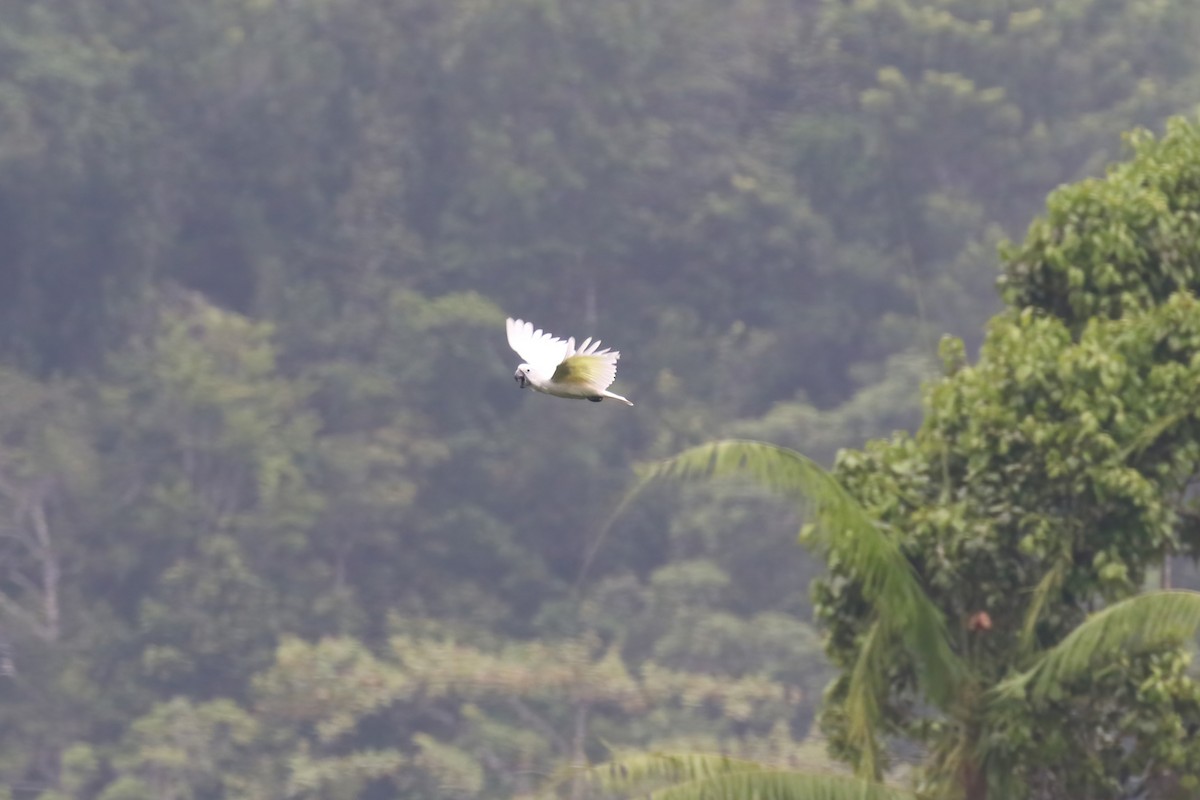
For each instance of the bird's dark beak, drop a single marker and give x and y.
(520, 379)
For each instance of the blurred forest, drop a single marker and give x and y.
(275, 520)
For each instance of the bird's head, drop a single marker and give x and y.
(521, 376)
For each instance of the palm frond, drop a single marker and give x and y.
(864, 695)
(640, 769)
(1050, 583)
(782, 786)
(1139, 624)
(845, 532)
(685, 776)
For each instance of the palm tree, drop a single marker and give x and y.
(968, 764)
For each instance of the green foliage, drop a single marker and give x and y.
(183, 751)
(716, 777)
(257, 425)
(310, 721)
(845, 537)
(1110, 246)
(1152, 699)
(1045, 479)
(1145, 623)
(988, 737)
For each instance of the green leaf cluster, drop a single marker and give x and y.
(255, 409)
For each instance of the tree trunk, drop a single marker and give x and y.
(578, 756)
(973, 781)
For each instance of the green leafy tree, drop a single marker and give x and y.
(184, 751)
(149, 522)
(1047, 478)
(430, 717)
(1045, 481)
(993, 721)
(216, 443)
(48, 475)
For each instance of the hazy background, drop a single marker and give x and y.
(274, 518)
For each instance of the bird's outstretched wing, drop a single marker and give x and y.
(588, 366)
(538, 348)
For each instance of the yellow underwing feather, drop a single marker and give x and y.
(594, 371)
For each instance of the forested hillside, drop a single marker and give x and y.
(275, 520)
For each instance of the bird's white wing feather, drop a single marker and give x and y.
(588, 367)
(538, 348)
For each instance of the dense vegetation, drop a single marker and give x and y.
(974, 564)
(275, 520)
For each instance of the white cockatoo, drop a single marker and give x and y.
(559, 368)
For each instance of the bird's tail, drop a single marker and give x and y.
(617, 397)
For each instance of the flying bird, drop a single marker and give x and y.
(559, 368)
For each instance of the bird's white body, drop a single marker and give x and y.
(558, 368)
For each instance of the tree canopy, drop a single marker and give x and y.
(274, 520)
